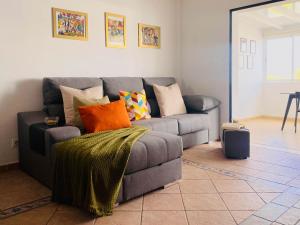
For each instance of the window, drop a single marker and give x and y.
(297, 58)
(283, 58)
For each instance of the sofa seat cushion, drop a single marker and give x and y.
(159, 124)
(189, 123)
(153, 149)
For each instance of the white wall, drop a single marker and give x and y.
(205, 47)
(28, 52)
(247, 83)
(275, 102)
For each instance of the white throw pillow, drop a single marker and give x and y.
(68, 95)
(169, 99)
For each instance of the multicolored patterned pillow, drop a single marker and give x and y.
(136, 104)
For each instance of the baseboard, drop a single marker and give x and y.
(267, 117)
(248, 118)
(277, 118)
(11, 166)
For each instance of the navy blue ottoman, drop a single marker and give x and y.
(236, 143)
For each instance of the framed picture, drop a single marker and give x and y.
(242, 61)
(250, 62)
(115, 30)
(69, 24)
(243, 45)
(149, 36)
(252, 46)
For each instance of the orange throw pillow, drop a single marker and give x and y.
(110, 116)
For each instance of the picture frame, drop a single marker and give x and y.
(115, 30)
(241, 61)
(243, 45)
(250, 62)
(69, 24)
(149, 36)
(252, 46)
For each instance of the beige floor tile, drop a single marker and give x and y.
(242, 201)
(173, 189)
(243, 170)
(293, 190)
(197, 186)
(297, 205)
(290, 217)
(16, 198)
(284, 171)
(240, 216)
(13, 179)
(210, 218)
(287, 199)
(132, 205)
(38, 216)
(267, 186)
(120, 218)
(218, 176)
(274, 178)
(19, 188)
(163, 202)
(248, 163)
(267, 132)
(271, 211)
(164, 218)
(232, 186)
(295, 183)
(71, 216)
(268, 197)
(203, 202)
(17, 179)
(191, 172)
(254, 220)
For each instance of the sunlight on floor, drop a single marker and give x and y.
(267, 131)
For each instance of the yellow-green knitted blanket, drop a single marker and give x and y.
(89, 169)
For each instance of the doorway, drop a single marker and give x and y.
(265, 68)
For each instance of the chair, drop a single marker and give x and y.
(292, 96)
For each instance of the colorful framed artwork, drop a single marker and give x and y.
(69, 24)
(115, 30)
(149, 36)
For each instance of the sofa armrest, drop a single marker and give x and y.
(200, 103)
(50, 136)
(25, 120)
(59, 134)
(29, 118)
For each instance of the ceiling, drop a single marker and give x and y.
(276, 15)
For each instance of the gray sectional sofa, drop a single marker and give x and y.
(155, 158)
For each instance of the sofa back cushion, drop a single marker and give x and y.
(52, 97)
(148, 86)
(169, 100)
(113, 85)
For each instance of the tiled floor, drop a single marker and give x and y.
(264, 189)
(267, 131)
